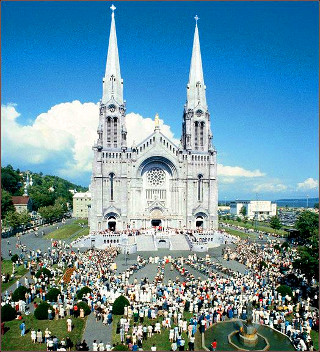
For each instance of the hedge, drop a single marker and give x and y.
(119, 304)
(19, 293)
(284, 290)
(53, 294)
(121, 348)
(45, 272)
(85, 307)
(41, 312)
(7, 313)
(83, 292)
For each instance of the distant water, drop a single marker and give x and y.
(297, 203)
(291, 203)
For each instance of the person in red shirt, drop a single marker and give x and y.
(214, 345)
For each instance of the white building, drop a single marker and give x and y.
(262, 209)
(81, 203)
(155, 182)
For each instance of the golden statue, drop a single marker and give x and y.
(157, 120)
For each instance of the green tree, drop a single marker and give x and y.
(11, 181)
(243, 211)
(6, 203)
(275, 223)
(245, 219)
(24, 218)
(119, 304)
(12, 219)
(316, 205)
(307, 224)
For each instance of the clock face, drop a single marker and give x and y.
(199, 112)
(112, 108)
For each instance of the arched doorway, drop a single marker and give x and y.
(155, 222)
(112, 223)
(156, 217)
(199, 221)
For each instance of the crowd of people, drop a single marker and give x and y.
(205, 292)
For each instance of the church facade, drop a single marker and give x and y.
(155, 182)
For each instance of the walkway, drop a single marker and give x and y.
(96, 331)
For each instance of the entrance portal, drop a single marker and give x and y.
(199, 221)
(155, 222)
(112, 223)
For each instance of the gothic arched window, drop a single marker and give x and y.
(109, 129)
(115, 131)
(200, 177)
(202, 124)
(196, 128)
(111, 176)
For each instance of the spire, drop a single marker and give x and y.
(112, 82)
(196, 95)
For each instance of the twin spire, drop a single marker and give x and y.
(113, 83)
(196, 96)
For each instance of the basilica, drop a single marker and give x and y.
(155, 182)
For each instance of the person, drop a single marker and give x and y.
(69, 343)
(101, 346)
(81, 313)
(94, 345)
(23, 328)
(214, 345)
(33, 336)
(191, 343)
(174, 346)
(69, 324)
(49, 344)
(182, 343)
(39, 336)
(153, 348)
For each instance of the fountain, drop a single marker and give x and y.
(247, 336)
(242, 335)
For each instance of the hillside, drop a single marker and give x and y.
(44, 191)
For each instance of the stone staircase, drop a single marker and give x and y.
(145, 243)
(179, 243)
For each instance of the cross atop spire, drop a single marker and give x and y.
(112, 87)
(196, 18)
(196, 95)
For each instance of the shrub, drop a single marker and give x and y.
(284, 290)
(19, 293)
(277, 247)
(15, 258)
(45, 272)
(285, 245)
(85, 307)
(53, 294)
(83, 292)
(119, 304)
(41, 312)
(7, 313)
(121, 348)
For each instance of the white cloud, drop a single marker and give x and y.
(237, 171)
(309, 183)
(270, 187)
(64, 135)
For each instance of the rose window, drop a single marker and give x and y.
(156, 176)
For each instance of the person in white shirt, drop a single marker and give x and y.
(95, 346)
(153, 348)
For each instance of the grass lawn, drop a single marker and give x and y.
(160, 340)
(83, 232)
(235, 233)
(315, 338)
(12, 340)
(261, 226)
(6, 268)
(67, 231)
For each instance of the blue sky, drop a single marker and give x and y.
(260, 62)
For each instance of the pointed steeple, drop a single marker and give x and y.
(112, 82)
(196, 89)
